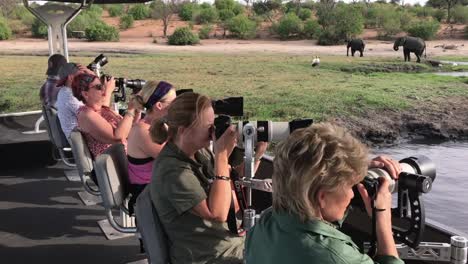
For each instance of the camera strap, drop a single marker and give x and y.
(373, 249)
(232, 219)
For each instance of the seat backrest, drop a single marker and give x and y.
(112, 175)
(55, 129)
(151, 229)
(83, 158)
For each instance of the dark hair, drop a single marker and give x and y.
(81, 83)
(184, 111)
(55, 62)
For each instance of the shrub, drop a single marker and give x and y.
(16, 26)
(183, 36)
(263, 8)
(349, 21)
(83, 21)
(466, 32)
(95, 10)
(187, 10)
(242, 27)
(328, 37)
(440, 14)
(126, 22)
(304, 14)
(100, 31)
(311, 29)
(460, 14)
(425, 29)
(116, 10)
(226, 14)
(238, 9)
(5, 31)
(289, 26)
(406, 19)
(139, 11)
(28, 19)
(224, 4)
(205, 5)
(204, 32)
(391, 24)
(207, 15)
(38, 29)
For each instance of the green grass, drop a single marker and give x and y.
(276, 87)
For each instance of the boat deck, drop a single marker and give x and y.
(42, 220)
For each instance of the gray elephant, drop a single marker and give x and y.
(410, 44)
(355, 45)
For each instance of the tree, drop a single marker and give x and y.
(448, 4)
(7, 6)
(164, 9)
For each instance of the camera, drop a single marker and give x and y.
(418, 173)
(120, 83)
(97, 64)
(231, 106)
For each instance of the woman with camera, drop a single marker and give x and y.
(314, 172)
(191, 187)
(100, 125)
(141, 150)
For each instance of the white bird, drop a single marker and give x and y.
(315, 61)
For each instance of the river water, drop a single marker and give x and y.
(447, 202)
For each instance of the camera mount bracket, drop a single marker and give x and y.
(410, 213)
(455, 252)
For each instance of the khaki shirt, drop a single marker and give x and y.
(178, 184)
(280, 238)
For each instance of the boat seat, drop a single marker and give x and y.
(84, 161)
(152, 232)
(56, 135)
(112, 175)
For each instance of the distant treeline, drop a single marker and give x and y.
(328, 21)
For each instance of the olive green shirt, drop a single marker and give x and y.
(280, 238)
(178, 184)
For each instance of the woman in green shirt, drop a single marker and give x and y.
(314, 172)
(190, 188)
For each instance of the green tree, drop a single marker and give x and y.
(242, 27)
(349, 21)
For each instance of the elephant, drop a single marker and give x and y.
(355, 45)
(411, 44)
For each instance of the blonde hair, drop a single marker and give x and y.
(323, 156)
(184, 111)
(149, 89)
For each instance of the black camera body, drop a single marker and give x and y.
(120, 83)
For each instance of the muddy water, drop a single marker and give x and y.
(447, 203)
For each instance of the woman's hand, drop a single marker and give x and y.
(383, 199)
(392, 166)
(226, 143)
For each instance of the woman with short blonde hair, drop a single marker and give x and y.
(315, 169)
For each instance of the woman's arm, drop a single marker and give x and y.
(144, 142)
(94, 124)
(216, 206)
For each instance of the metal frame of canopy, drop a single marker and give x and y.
(58, 16)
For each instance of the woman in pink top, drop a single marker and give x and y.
(141, 150)
(101, 126)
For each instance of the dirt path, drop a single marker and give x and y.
(300, 47)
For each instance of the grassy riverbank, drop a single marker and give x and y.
(276, 87)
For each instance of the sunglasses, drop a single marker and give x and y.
(98, 87)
